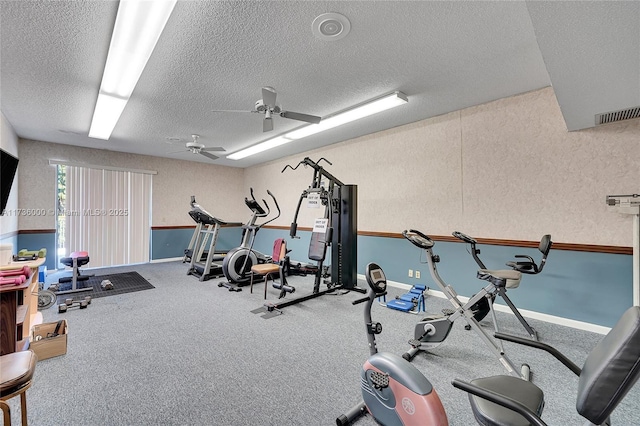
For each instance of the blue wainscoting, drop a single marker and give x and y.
(36, 241)
(167, 243)
(595, 288)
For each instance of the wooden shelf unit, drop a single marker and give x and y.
(18, 308)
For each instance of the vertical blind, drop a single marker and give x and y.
(108, 215)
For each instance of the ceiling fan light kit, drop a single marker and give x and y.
(356, 112)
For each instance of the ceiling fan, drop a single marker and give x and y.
(196, 147)
(267, 106)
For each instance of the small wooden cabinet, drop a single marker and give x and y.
(18, 308)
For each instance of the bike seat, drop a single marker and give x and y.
(512, 276)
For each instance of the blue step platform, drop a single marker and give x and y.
(412, 301)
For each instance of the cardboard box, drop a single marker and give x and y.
(45, 343)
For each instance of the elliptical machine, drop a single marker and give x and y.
(433, 330)
(237, 264)
(393, 390)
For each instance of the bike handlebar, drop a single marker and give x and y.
(464, 237)
(418, 239)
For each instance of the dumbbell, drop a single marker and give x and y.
(106, 285)
(82, 304)
(69, 303)
(33, 253)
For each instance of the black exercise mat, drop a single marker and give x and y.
(125, 282)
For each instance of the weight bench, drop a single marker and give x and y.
(317, 252)
(75, 261)
(412, 301)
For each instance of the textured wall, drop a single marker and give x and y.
(507, 169)
(525, 175)
(217, 188)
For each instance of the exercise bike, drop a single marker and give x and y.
(434, 329)
(237, 264)
(394, 392)
(512, 276)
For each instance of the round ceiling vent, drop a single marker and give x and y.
(331, 26)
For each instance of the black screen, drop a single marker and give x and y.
(9, 165)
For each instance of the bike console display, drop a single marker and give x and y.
(376, 278)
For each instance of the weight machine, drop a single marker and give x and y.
(337, 229)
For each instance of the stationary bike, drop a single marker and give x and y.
(512, 277)
(434, 329)
(393, 390)
(237, 264)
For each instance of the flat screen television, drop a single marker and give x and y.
(8, 167)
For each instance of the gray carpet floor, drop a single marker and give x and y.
(192, 353)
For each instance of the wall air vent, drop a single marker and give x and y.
(612, 117)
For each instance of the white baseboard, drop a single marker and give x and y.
(580, 325)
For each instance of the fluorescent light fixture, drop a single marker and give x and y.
(351, 114)
(137, 29)
(106, 115)
(263, 146)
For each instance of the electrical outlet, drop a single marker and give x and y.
(418, 274)
(410, 273)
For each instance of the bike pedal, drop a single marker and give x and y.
(415, 343)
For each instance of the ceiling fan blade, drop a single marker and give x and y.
(177, 152)
(267, 125)
(269, 96)
(208, 155)
(212, 148)
(302, 117)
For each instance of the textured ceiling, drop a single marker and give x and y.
(216, 55)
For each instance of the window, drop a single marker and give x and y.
(105, 212)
